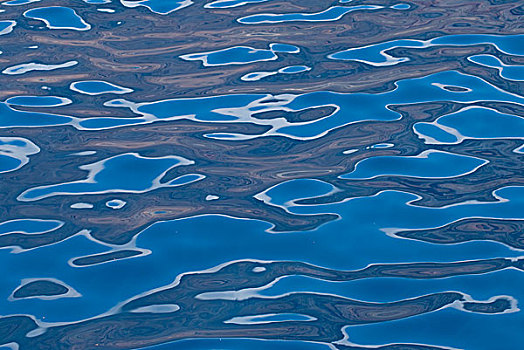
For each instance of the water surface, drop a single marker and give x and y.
(259, 174)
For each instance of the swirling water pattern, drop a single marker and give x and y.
(260, 174)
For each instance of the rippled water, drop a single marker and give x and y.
(261, 174)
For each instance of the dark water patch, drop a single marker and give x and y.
(105, 257)
(496, 306)
(509, 232)
(306, 115)
(455, 88)
(39, 289)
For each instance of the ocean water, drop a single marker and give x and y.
(261, 174)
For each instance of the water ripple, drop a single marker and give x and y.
(253, 174)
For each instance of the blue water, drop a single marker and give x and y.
(261, 174)
(95, 87)
(58, 17)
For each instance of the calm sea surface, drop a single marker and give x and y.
(261, 174)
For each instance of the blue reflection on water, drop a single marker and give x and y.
(58, 17)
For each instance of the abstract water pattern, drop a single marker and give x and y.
(254, 174)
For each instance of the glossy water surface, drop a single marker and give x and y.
(261, 174)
